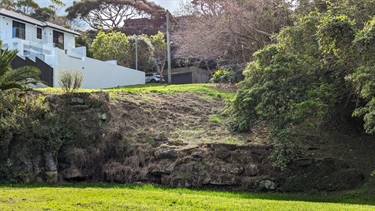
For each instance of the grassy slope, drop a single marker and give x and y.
(121, 197)
(205, 89)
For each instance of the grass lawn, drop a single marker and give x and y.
(125, 197)
(206, 89)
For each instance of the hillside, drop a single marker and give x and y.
(170, 135)
(178, 136)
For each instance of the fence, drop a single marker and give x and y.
(46, 74)
(180, 78)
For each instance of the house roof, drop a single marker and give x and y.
(30, 20)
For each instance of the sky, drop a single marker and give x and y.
(171, 5)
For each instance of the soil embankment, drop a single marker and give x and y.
(181, 140)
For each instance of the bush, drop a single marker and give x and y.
(297, 82)
(222, 76)
(27, 123)
(70, 81)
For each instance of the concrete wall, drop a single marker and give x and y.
(97, 74)
(31, 33)
(5, 28)
(48, 35)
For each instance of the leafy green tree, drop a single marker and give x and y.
(17, 78)
(43, 14)
(117, 46)
(362, 78)
(26, 7)
(160, 51)
(32, 8)
(360, 10)
(7, 4)
(111, 46)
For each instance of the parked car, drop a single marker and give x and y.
(154, 78)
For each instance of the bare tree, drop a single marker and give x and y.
(229, 29)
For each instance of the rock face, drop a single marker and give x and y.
(197, 166)
(212, 165)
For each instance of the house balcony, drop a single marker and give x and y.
(27, 45)
(25, 40)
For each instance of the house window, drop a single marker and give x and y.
(19, 30)
(39, 33)
(58, 39)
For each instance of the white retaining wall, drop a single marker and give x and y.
(97, 74)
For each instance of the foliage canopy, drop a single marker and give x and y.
(318, 73)
(117, 46)
(101, 14)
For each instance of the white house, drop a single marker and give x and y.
(55, 46)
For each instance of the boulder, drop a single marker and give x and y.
(51, 177)
(228, 169)
(221, 180)
(251, 170)
(163, 167)
(72, 174)
(267, 185)
(167, 153)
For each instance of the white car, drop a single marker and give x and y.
(153, 78)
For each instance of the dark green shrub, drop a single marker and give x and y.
(28, 123)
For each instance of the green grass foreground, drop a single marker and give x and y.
(205, 89)
(148, 197)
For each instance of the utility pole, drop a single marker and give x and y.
(136, 52)
(169, 51)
